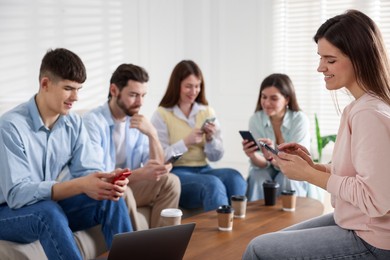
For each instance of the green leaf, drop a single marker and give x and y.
(322, 141)
(326, 139)
(319, 139)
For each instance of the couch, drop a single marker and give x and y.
(91, 241)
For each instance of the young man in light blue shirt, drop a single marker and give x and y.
(125, 138)
(38, 140)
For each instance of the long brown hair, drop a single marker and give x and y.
(358, 37)
(285, 86)
(181, 71)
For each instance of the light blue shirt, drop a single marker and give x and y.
(32, 156)
(295, 127)
(100, 125)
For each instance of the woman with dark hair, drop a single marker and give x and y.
(277, 119)
(352, 55)
(179, 121)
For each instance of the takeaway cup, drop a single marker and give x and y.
(288, 200)
(239, 205)
(225, 217)
(270, 190)
(171, 216)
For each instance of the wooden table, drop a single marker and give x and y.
(207, 242)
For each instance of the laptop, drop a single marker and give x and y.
(168, 242)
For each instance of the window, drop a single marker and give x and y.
(92, 29)
(295, 53)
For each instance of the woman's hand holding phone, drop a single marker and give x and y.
(195, 137)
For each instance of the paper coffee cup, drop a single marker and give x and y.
(171, 217)
(270, 190)
(225, 218)
(288, 200)
(239, 205)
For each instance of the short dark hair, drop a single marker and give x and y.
(285, 86)
(126, 72)
(62, 64)
(181, 71)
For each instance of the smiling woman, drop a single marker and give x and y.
(352, 56)
(179, 120)
(277, 120)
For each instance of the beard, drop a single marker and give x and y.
(130, 110)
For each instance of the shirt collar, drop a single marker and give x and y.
(36, 117)
(196, 107)
(287, 119)
(108, 115)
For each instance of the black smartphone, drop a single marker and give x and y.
(247, 135)
(174, 158)
(269, 148)
(208, 120)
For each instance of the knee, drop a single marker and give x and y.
(213, 183)
(235, 175)
(255, 249)
(50, 214)
(172, 184)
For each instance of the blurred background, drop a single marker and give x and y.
(236, 43)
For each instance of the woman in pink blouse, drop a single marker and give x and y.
(352, 55)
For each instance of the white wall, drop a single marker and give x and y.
(229, 39)
(226, 39)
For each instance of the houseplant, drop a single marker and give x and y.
(322, 141)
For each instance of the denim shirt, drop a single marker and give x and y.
(100, 125)
(32, 156)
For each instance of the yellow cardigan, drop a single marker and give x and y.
(179, 129)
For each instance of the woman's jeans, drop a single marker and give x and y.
(318, 238)
(53, 223)
(207, 187)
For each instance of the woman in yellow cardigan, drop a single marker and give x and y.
(178, 120)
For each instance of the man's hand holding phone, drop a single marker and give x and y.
(174, 158)
(121, 176)
(101, 185)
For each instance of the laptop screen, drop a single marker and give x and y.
(168, 242)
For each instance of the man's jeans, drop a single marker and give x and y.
(54, 223)
(207, 187)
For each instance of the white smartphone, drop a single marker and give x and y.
(174, 158)
(207, 121)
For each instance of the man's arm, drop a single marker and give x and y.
(95, 185)
(141, 123)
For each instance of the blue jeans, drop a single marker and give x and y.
(318, 238)
(54, 223)
(207, 187)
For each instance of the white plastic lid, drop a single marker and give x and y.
(171, 213)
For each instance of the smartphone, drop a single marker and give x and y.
(269, 148)
(122, 176)
(174, 158)
(247, 135)
(207, 121)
